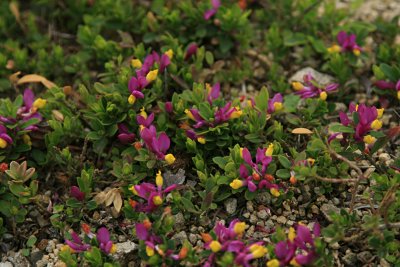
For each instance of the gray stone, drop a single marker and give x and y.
(249, 206)
(180, 237)
(253, 219)
(328, 209)
(269, 224)
(264, 198)
(321, 78)
(125, 252)
(350, 258)
(364, 256)
(314, 209)
(179, 220)
(192, 238)
(36, 256)
(6, 264)
(281, 219)
(262, 214)
(230, 205)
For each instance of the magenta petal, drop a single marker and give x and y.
(281, 249)
(247, 156)
(252, 187)
(209, 13)
(191, 50)
(126, 138)
(163, 142)
(331, 87)
(397, 85)
(236, 246)
(133, 84)
(170, 188)
(216, 3)
(384, 85)
(343, 118)
(122, 128)
(243, 171)
(141, 231)
(168, 107)
(138, 94)
(77, 193)
(215, 91)
(103, 236)
(303, 234)
(29, 98)
(6, 138)
(341, 37)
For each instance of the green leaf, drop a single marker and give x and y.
(389, 72)
(31, 241)
(220, 161)
(283, 173)
(262, 99)
(188, 205)
(209, 58)
(285, 162)
(340, 128)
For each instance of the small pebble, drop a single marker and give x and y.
(262, 214)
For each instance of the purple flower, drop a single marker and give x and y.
(211, 12)
(76, 244)
(105, 244)
(152, 194)
(145, 120)
(368, 119)
(275, 104)
(5, 139)
(228, 240)
(124, 135)
(299, 248)
(310, 88)
(191, 50)
(77, 193)
(158, 145)
(389, 86)
(213, 92)
(169, 107)
(348, 42)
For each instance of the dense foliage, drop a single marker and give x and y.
(117, 115)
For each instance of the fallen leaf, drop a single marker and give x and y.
(100, 198)
(15, 11)
(117, 201)
(34, 78)
(301, 131)
(14, 77)
(110, 197)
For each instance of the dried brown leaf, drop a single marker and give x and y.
(110, 196)
(15, 11)
(301, 131)
(34, 78)
(100, 198)
(117, 201)
(14, 77)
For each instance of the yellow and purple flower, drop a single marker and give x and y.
(275, 104)
(5, 139)
(368, 119)
(154, 195)
(124, 135)
(310, 88)
(385, 85)
(347, 43)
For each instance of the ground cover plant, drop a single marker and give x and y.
(199, 133)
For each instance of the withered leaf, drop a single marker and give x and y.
(34, 78)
